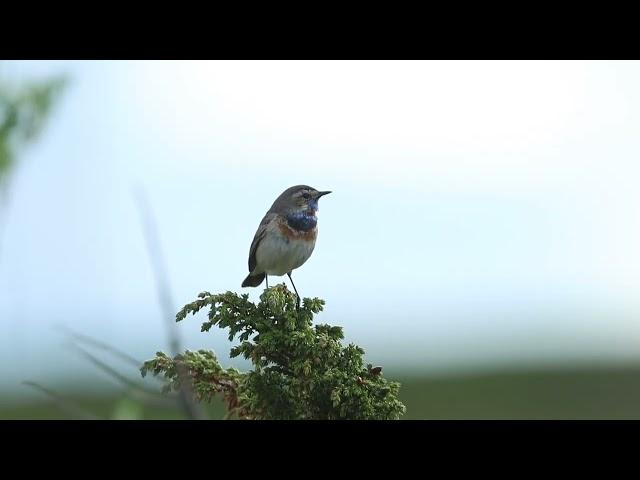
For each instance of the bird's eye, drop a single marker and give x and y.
(306, 196)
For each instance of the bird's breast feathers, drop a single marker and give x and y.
(283, 248)
(294, 234)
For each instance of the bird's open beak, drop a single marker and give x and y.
(320, 194)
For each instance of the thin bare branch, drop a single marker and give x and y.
(115, 374)
(79, 337)
(71, 408)
(192, 409)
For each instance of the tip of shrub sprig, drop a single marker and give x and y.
(278, 299)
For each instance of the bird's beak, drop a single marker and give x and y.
(320, 194)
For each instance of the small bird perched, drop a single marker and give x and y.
(286, 236)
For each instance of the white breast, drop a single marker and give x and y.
(277, 254)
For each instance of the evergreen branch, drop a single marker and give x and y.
(300, 371)
(204, 372)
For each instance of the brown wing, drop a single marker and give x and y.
(260, 233)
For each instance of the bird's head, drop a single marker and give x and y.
(299, 199)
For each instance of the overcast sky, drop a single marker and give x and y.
(483, 212)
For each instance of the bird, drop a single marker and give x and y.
(286, 236)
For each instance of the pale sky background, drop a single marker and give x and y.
(483, 213)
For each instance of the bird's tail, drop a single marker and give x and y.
(253, 280)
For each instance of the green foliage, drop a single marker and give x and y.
(300, 371)
(23, 112)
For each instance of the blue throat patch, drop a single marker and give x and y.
(302, 221)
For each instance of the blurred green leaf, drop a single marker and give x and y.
(127, 409)
(24, 111)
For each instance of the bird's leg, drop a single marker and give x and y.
(294, 289)
(266, 277)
